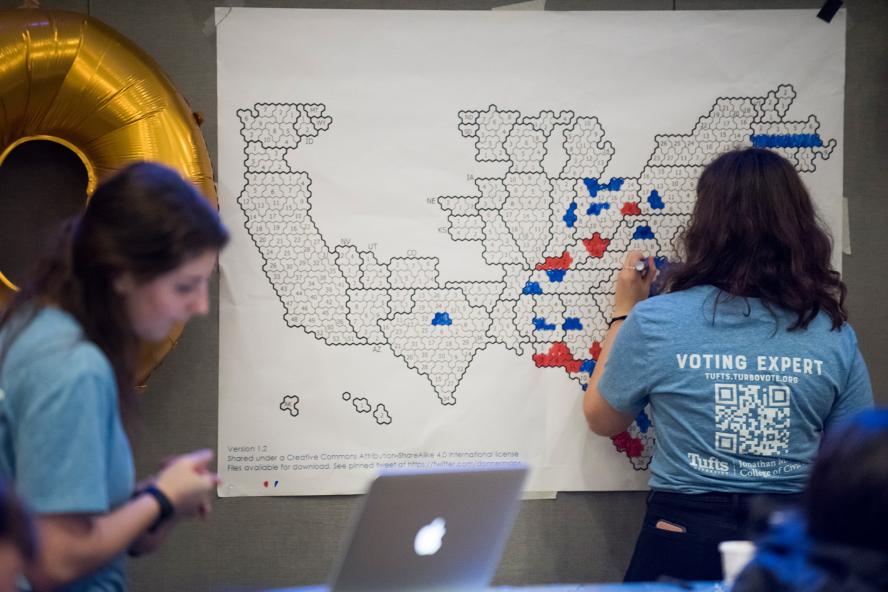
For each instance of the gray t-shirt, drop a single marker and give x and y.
(739, 403)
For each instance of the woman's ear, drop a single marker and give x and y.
(124, 283)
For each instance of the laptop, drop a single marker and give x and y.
(430, 531)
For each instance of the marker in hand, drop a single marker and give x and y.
(642, 267)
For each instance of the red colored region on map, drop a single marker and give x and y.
(630, 208)
(558, 356)
(595, 350)
(596, 245)
(562, 262)
(623, 442)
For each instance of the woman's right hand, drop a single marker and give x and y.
(188, 482)
(633, 286)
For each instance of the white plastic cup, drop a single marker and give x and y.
(735, 555)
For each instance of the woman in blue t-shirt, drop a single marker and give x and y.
(744, 359)
(133, 265)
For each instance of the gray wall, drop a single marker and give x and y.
(249, 543)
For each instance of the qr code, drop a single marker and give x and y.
(752, 419)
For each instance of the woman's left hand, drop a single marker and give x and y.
(632, 285)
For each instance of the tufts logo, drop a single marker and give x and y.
(708, 465)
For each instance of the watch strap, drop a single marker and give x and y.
(166, 506)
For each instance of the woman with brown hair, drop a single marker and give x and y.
(744, 360)
(135, 263)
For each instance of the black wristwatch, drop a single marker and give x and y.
(166, 506)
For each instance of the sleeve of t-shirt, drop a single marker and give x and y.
(61, 444)
(857, 394)
(625, 384)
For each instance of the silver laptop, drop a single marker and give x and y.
(430, 531)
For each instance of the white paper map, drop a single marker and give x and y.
(423, 254)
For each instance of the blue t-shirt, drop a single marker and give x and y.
(739, 403)
(61, 439)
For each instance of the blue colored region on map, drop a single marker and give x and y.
(572, 324)
(532, 288)
(596, 208)
(570, 217)
(786, 140)
(655, 200)
(539, 323)
(643, 421)
(594, 186)
(643, 232)
(442, 318)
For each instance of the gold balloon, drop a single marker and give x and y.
(71, 79)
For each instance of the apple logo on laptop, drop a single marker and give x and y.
(430, 537)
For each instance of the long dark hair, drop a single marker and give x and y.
(145, 220)
(754, 233)
(845, 498)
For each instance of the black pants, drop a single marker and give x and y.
(707, 519)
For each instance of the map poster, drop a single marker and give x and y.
(428, 210)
